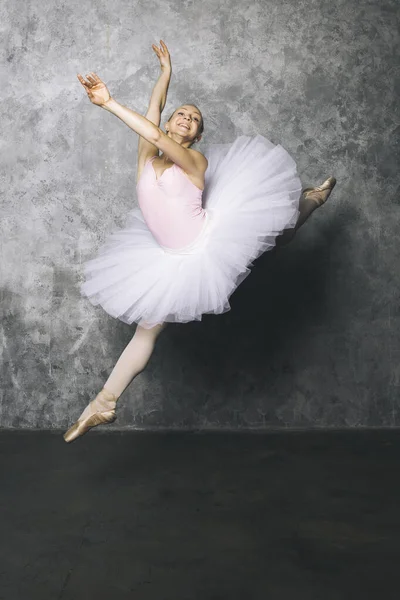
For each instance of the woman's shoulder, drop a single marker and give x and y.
(200, 160)
(198, 153)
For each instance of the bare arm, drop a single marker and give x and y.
(134, 120)
(191, 161)
(158, 99)
(159, 94)
(156, 105)
(160, 90)
(98, 94)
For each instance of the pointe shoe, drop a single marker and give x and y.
(98, 412)
(321, 193)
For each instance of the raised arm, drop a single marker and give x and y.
(191, 161)
(98, 94)
(157, 103)
(159, 94)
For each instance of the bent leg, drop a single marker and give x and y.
(306, 208)
(133, 359)
(311, 198)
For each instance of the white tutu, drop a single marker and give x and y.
(251, 195)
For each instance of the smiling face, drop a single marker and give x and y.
(186, 123)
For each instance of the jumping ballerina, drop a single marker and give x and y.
(202, 220)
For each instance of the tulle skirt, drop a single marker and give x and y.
(251, 196)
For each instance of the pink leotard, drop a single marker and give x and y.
(171, 205)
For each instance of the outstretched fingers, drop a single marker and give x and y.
(83, 82)
(92, 79)
(162, 50)
(95, 78)
(164, 47)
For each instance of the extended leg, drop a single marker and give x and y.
(131, 362)
(133, 359)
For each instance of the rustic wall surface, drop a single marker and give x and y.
(312, 338)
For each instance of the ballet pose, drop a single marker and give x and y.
(202, 219)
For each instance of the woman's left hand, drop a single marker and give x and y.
(96, 89)
(163, 56)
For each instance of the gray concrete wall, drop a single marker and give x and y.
(312, 339)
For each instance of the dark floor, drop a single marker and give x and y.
(166, 516)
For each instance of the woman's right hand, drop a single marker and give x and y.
(163, 56)
(95, 88)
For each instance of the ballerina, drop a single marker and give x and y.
(202, 220)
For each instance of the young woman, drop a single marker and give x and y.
(202, 219)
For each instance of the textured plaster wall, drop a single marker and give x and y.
(313, 336)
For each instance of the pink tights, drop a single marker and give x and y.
(133, 359)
